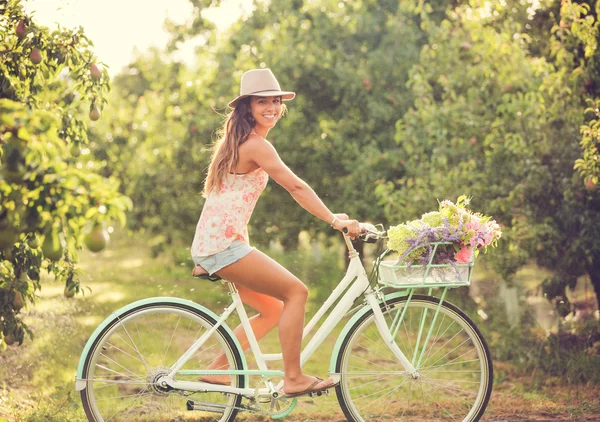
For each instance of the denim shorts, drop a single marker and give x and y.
(220, 260)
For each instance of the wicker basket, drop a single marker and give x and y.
(393, 274)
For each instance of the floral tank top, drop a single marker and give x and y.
(225, 215)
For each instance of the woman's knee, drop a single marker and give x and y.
(297, 292)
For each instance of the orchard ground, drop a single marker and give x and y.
(37, 379)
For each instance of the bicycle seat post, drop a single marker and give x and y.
(230, 286)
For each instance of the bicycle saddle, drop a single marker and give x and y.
(205, 276)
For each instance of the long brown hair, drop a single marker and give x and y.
(234, 132)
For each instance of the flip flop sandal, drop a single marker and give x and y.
(311, 389)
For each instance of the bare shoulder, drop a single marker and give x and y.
(257, 145)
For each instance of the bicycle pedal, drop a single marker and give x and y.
(319, 393)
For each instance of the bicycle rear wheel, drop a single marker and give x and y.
(454, 380)
(136, 348)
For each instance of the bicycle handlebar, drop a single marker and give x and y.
(370, 232)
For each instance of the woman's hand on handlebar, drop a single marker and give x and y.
(352, 226)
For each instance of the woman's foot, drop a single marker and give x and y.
(216, 379)
(305, 384)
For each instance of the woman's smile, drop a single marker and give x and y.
(266, 110)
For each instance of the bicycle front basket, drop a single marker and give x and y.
(398, 275)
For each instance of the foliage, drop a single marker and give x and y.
(580, 33)
(491, 118)
(47, 196)
(589, 164)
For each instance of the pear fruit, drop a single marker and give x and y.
(52, 246)
(35, 56)
(34, 241)
(9, 339)
(68, 293)
(20, 30)
(18, 301)
(590, 185)
(94, 113)
(95, 73)
(96, 239)
(75, 151)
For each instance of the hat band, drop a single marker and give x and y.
(262, 90)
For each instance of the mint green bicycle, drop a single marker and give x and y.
(401, 355)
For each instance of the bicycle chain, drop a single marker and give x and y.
(255, 407)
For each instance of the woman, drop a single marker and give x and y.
(242, 161)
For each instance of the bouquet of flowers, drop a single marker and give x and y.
(467, 232)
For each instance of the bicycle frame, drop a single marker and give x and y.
(354, 284)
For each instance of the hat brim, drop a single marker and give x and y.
(285, 95)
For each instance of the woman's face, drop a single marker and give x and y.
(265, 110)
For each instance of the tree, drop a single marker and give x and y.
(47, 197)
(496, 122)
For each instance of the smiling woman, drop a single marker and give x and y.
(242, 161)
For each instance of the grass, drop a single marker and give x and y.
(37, 379)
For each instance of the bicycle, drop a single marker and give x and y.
(402, 355)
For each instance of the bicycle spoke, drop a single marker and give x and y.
(131, 401)
(135, 347)
(171, 339)
(446, 390)
(118, 373)
(141, 341)
(372, 373)
(122, 351)
(370, 382)
(369, 362)
(118, 364)
(389, 389)
(437, 337)
(466, 340)
(453, 363)
(375, 344)
(442, 348)
(440, 406)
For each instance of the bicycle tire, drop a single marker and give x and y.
(455, 377)
(126, 356)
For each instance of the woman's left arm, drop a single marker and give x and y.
(265, 155)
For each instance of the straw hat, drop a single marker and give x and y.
(260, 82)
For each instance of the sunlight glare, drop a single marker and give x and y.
(120, 29)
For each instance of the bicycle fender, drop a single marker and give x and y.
(80, 383)
(361, 312)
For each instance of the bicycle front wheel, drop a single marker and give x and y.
(136, 348)
(454, 377)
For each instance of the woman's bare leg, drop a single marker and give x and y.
(259, 273)
(269, 311)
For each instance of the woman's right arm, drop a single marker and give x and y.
(264, 155)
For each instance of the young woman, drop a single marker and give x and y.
(242, 161)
